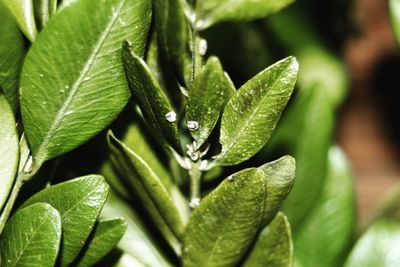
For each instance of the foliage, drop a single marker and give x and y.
(137, 90)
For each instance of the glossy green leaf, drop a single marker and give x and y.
(225, 224)
(307, 131)
(207, 97)
(379, 246)
(252, 113)
(210, 12)
(274, 247)
(79, 202)
(105, 237)
(71, 90)
(147, 184)
(394, 12)
(136, 241)
(152, 100)
(328, 231)
(135, 137)
(280, 177)
(22, 11)
(31, 237)
(173, 32)
(9, 150)
(12, 53)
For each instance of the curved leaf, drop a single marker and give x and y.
(210, 12)
(31, 236)
(22, 11)
(173, 33)
(274, 247)
(12, 52)
(328, 230)
(136, 241)
(71, 90)
(280, 177)
(106, 235)
(308, 129)
(379, 246)
(146, 180)
(152, 100)
(225, 224)
(79, 202)
(253, 112)
(394, 12)
(9, 150)
(44, 9)
(207, 97)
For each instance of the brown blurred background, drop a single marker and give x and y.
(368, 125)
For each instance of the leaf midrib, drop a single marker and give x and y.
(43, 218)
(41, 154)
(247, 121)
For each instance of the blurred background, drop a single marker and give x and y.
(368, 127)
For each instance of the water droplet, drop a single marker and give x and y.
(202, 47)
(66, 87)
(41, 74)
(192, 125)
(231, 178)
(171, 116)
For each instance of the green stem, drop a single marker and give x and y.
(22, 178)
(195, 184)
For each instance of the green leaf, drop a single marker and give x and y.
(12, 52)
(207, 98)
(252, 113)
(147, 184)
(328, 231)
(300, 36)
(225, 224)
(79, 202)
(22, 11)
(72, 90)
(105, 237)
(274, 247)
(173, 32)
(307, 131)
(31, 237)
(210, 12)
(388, 207)
(394, 12)
(280, 177)
(152, 100)
(137, 137)
(136, 241)
(44, 9)
(379, 246)
(9, 150)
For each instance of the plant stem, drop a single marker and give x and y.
(195, 183)
(22, 178)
